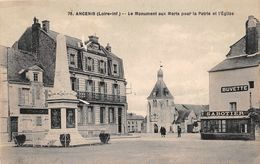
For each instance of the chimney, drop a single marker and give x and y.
(108, 47)
(46, 25)
(251, 35)
(35, 35)
(93, 39)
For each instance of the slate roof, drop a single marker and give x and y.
(160, 88)
(185, 109)
(237, 63)
(18, 60)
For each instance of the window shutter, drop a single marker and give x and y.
(105, 87)
(118, 89)
(99, 66)
(33, 96)
(93, 86)
(46, 96)
(77, 84)
(99, 87)
(20, 95)
(105, 67)
(113, 89)
(92, 64)
(86, 85)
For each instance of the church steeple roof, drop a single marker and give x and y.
(160, 90)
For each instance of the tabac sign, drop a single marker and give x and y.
(238, 88)
(224, 113)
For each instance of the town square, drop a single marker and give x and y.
(98, 82)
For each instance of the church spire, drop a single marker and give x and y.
(160, 73)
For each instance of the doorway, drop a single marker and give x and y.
(155, 128)
(119, 120)
(14, 126)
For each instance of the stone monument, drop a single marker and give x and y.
(62, 101)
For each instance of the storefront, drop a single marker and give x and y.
(227, 125)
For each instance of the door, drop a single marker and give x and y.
(14, 126)
(155, 128)
(119, 120)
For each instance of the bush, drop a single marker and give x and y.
(65, 140)
(104, 137)
(20, 140)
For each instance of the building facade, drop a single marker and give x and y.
(160, 111)
(188, 117)
(135, 123)
(234, 87)
(97, 75)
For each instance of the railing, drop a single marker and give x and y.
(90, 96)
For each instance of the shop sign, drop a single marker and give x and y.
(33, 111)
(238, 88)
(224, 113)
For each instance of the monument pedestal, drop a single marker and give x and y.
(63, 116)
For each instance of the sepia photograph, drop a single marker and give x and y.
(134, 81)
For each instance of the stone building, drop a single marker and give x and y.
(96, 74)
(160, 107)
(135, 123)
(188, 117)
(234, 87)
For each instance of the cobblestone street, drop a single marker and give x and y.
(146, 149)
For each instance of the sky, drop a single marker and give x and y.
(187, 46)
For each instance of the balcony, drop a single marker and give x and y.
(90, 96)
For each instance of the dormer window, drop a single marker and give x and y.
(72, 59)
(89, 64)
(36, 76)
(102, 67)
(115, 68)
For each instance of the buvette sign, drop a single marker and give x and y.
(238, 88)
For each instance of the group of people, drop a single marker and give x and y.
(163, 131)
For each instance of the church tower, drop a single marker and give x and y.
(160, 107)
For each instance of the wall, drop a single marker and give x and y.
(3, 95)
(220, 101)
(165, 115)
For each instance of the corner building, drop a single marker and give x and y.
(234, 87)
(96, 74)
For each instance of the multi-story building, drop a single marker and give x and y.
(135, 123)
(234, 87)
(97, 75)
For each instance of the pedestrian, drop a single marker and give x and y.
(179, 131)
(161, 131)
(164, 131)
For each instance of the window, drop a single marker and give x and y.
(251, 84)
(74, 84)
(102, 115)
(38, 121)
(89, 64)
(72, 59)
(102, 67)
(233, 106)
(24, 96)
(116, 89)
(35, 76)
(90, 115)
(111, 117)
(38, 93)
(115, 68)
